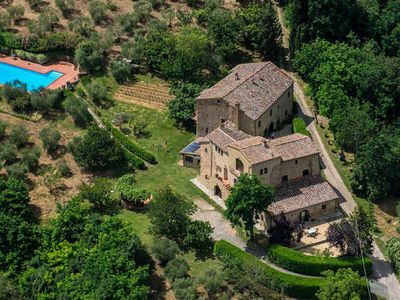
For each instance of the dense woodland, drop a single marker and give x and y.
(348, 52)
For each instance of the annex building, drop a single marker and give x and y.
(234, 119)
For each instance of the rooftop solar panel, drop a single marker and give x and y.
(192, 147)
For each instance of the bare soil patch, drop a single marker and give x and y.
(47, 187)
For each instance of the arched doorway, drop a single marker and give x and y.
(304, 215)
(217, 191)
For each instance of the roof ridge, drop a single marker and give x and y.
(266, 63)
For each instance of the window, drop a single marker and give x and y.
(218, 101)
(285, 178)
(306, 172)
(206, 150)
(288, 94)
(216, 148)
(286, 112)
(259, 124)
(296, 161)
(261, 171)
(270, 112)
(206, 129)
(189, 159)
(278, 106)
(239, 165)
(323, 206)
(265, 170)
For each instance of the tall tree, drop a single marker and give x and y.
(248, 199)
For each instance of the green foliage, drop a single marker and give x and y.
(16, 12)
(259, 29)
(97, 90)
(97, 150)
(213, 281)
(378, 178)
(100, 195)
(248, 199)
(63, 169)
(298, 262)
(344, 284)
(130, 194)
(50, 138)
(165, 250)
(291, 285)
(82, 26)
(90, 56)
(8, 153)
(17, 170)
(45, 100)
(127, 143)
(18, 231)
(102, 259)
(16, 95)
(78, 110)
(122, 72)
(19, 136)
(98, 11)
(169, 214)
(299, 126)
(185, 289)
(198, 235)
(176, 268)
(30, 157)
(8, 289)
(3, 128)
(183, 106)
(393, 250)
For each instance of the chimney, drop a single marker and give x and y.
(237, 76)
(253, 81)
(236, 115)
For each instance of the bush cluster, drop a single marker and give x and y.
(297, 262)
(57, 41)
(293, 286)
(129, 145)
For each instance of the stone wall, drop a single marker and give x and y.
(209, 113)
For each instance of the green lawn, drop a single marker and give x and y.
(141, 224)
(165, 141)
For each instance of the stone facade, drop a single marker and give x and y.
(250, 98)
(233, 117)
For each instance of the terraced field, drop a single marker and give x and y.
(145, 94)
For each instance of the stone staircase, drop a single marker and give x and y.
(145, 94)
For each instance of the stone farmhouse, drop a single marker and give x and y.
(233, 117)
(256, 97)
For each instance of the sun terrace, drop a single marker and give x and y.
(50, 76)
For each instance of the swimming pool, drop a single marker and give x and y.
(32, 79)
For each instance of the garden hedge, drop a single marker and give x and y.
(129, 145)
(134, 160)
(293, 286)
(297, 262)
(299, 126)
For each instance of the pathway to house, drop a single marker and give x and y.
(383, 273)
(224, 231)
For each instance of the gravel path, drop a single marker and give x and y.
(224, 231)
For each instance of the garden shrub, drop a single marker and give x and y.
(293, 286)
(176, 268)
(165, 250)
(130, 145)
(297, 262)
(134, 161)
(299, 126)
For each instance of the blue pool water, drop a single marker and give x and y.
(32, 79)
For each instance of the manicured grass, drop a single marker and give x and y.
(165, 142)
(299, 126)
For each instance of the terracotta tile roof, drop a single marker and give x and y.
(256, 86)
(301, 194)
(226, 134)
(258, 149)
(293, 146)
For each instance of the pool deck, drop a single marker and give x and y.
(71, 73)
